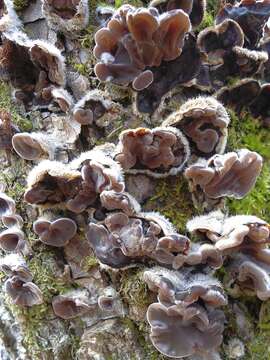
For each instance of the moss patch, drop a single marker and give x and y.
(20, 4)
(7, 104)
(246, 132)
(173, 200)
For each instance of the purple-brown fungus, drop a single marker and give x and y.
(71, 305)
(233, 174)
(137, 38)
(204, 121)
(158, 152)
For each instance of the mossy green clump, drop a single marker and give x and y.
(173, 199)
(133, 289)
(19, 5)
(259, 347)
(89, 262)
(7, 104)
(247, 132)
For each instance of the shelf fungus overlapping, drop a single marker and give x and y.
(131, 110)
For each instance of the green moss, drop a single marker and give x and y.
(246, 132)
(173, 200)
(208, 20)
(7, 104)
(20, 4)
(89, 262)
(259, 347)
(133, 289)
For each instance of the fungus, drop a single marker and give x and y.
(11, 220)
(62, 98)
(7, 205)
(184, 288)
(260, 105)
(23, 293)
(251, 274)
(251, 15)
(55, 233)
(216, 41)
(26, 146)
(12, 240)
(177, 332)
(95, 107)
(15, 265)
(41, 65)
(113, 200)
(233, 174)
(71, 305)
(67, 16)
(204, 121)
(194, 8)
(158, 152)
(170, 74)
(120, 240)
(240, 95)
(134, 39)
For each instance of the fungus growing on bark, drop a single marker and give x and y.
(204, 121)
(260, 107)
(158, 152)
(240, 95)
(233, 174)
(251, 15)
(15, 265)
(12, 240)
(184, 288)
(75, 186)
(23, 293)
(67, 16)
(170, 74)
(135, 39)
(177, 332)
(194, 8)
(96, 107)
(216, 41)
(113, 200)
(11, 220)
(71, 305)
(55, 233)
(26, 146)
(120, 240)
(7, 205)
(41, 65)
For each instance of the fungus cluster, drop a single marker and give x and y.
(86, 213)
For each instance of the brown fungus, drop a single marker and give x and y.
(240, 95)
(23, 293)
(70, 305)
(7, 205)
(204, 121)
(178, 333)
(218, 40)
(233, 174)
(7, 130)
(55, 233)
(159, 152)
(12, 240)
(113, 200)
(15, 265)
(260, 108)
(170, 74)
(184, 288)
(251, 15)
(11, 220)
(121, 240)
(26, 146)
(66, 15)
(135, 39)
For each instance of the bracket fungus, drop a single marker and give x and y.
(74, 186)
(233, 174)
(67, 16)
(204, 121)
(55, 233)
(218, 40)
(71, 305)
(113, 200)
(15, 265)
(12, 240)
(41, 65)
(159, 152)
(251, 15)
(7, 130)
(121, 240)
(170, 74)
(135, 39)
(23, 293)
(7, 205)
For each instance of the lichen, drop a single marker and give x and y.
(173, 199)
(7, 104)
